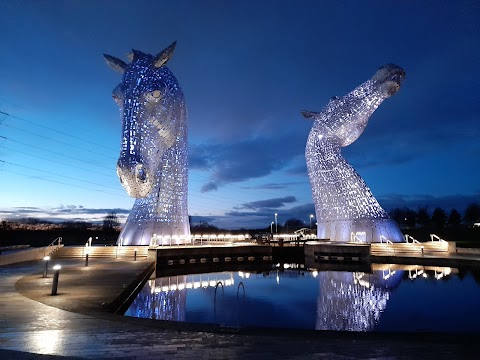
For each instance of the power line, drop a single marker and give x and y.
(62, 183)
(59, 175)
(54, 152)
(55, 161)
(55, 130)
(58, 141)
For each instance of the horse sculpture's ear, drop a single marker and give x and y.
(164, 55)
(135, 54)
(115, 63)
(309, 114)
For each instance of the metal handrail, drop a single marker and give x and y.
(382, 238)
(215, 301)
(239, 323)
(388, 243)
(59, 239)
(432, 236)
(414, 241)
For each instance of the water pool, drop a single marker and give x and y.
(388, 298)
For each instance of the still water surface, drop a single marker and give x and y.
(389, 298)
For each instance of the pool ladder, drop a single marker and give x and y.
(239, 310)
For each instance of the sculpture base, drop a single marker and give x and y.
(159, 233)
(360, 230)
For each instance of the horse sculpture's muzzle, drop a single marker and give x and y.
(389, 78)
(135, 178)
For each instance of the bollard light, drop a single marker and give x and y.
(135, 254)
(86, 259)
(56, 273)
(45, 268)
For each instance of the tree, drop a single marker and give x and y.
(439, 218)
(203, 227)
(404, 217)
(76, 225)
(423, 218)
(454, 218)
(5, 225)
(110, 222)
(410, 218)
(294, 224)
(472, 214)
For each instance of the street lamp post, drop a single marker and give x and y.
(311, 217)
(271, 227)
(56, 268)
(276, 224)
(45, 268)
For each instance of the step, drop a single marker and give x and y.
(101, 252)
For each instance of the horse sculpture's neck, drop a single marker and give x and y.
(344, 204)
(164, 211)
(340, 192)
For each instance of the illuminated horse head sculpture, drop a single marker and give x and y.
(344, 205)
(153, 159)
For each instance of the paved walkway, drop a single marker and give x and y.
(35, 325)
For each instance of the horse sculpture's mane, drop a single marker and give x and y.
(344, 205)
(152, 165)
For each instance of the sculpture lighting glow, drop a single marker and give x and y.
(153, 159)
(344, 204)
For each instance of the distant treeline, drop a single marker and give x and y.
(451, 224)
(439, 218)
(37, 232)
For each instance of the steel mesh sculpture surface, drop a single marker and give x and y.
(152, 165)
(344, 205)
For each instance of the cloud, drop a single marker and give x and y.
(273, 186)
(270, 203)
(63, 213)
(207, 219)
(246, 159)
(300, 170)
(262, 217)
(210, 186)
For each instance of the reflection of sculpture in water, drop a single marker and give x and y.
(353, 301)
(160, 305)
(344, 204)
(153, 160)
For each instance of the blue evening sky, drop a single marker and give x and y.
(247, 68)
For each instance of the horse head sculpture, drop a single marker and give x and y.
(344, 205)
(152, 166)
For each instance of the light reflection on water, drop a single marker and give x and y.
(388, 298)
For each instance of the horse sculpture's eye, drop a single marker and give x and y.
(117, 95)
(154, 96)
